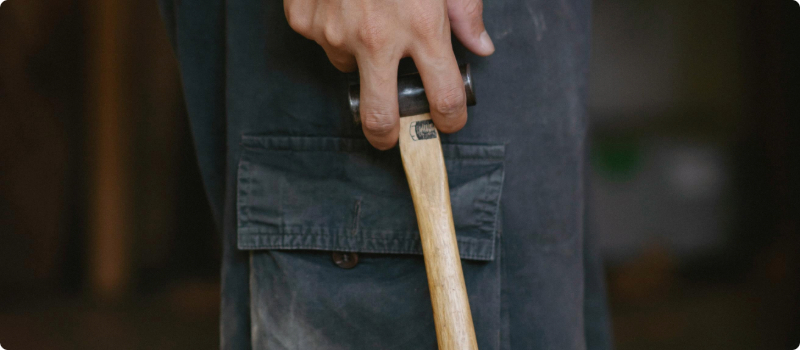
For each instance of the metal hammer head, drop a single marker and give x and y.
(411, 95)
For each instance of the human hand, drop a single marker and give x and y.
(373, 35)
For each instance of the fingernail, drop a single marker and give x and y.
(486, 42)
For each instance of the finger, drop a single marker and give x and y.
(379, 110)
(297, 14)
(329, 33)
(444, 88)
(466, 21)
(342, 60)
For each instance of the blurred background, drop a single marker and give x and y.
(107, 241)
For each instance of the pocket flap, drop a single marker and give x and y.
(340, 194)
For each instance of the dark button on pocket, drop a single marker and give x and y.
(345, 260)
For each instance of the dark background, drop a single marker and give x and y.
(107, 241)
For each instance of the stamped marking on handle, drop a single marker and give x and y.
(422, 130)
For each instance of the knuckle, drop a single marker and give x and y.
(372, 34)
(333, 36)
(298, 23)
(450, 101)
(378, 122)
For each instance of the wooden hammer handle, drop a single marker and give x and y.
(421, 150)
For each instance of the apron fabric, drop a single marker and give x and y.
(292, 181)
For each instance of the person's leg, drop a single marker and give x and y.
(303, 182)
(531, 97)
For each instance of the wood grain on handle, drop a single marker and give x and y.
(421, 150)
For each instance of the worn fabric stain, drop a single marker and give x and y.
(539, 25)
(504, 34)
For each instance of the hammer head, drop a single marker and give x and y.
(411, 94)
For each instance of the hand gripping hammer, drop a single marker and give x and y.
(421, 151)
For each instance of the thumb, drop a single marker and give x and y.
(466, 21)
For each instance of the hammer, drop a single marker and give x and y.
(421, 151)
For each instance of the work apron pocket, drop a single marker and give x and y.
(320, 193)
(304, 201)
